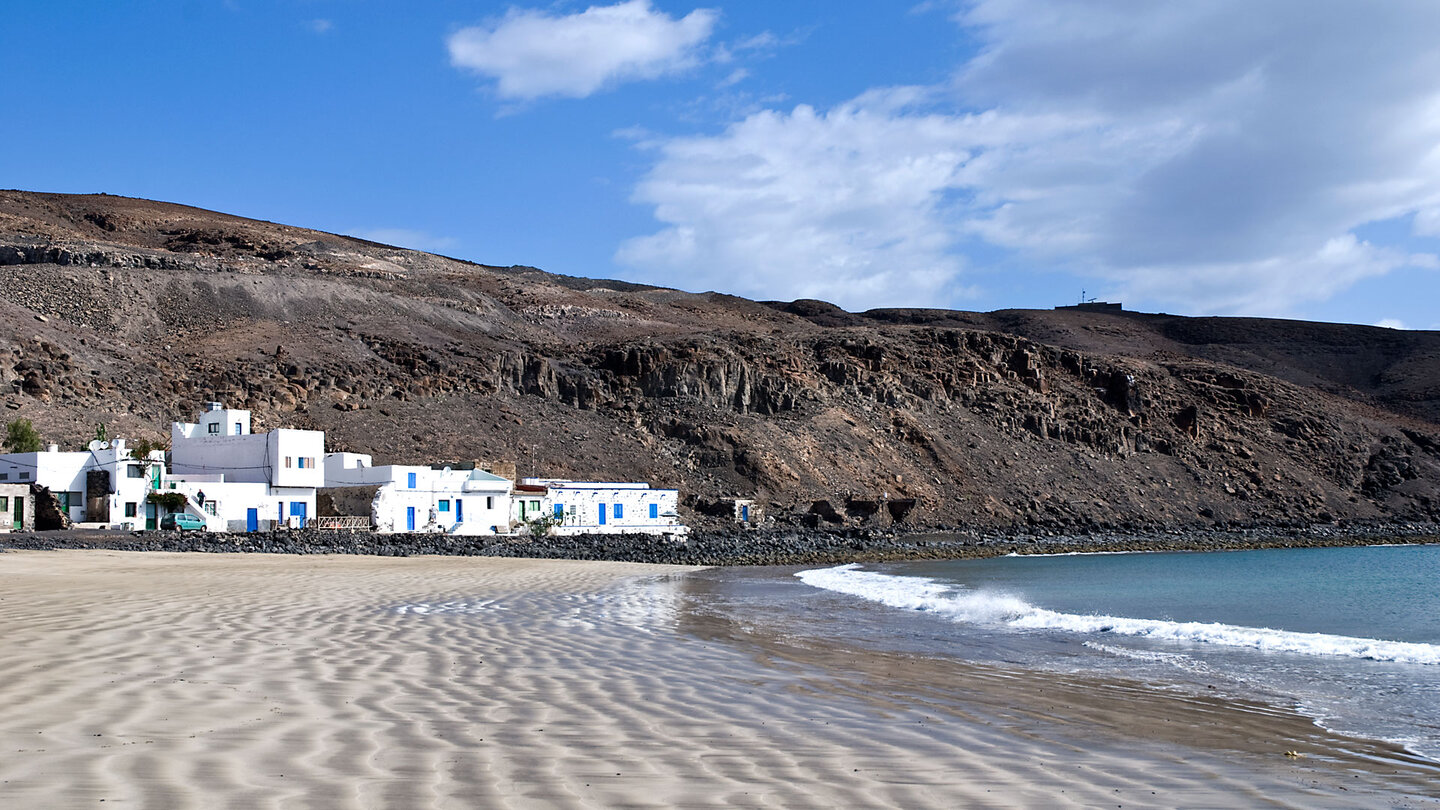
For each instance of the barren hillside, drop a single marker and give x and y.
(130, 313)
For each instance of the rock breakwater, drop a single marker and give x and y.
(741, 548)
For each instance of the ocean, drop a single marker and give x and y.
(1347, 636)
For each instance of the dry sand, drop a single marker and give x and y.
(250, 681)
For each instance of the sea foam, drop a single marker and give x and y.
(981, 607)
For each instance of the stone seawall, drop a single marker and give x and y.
(738, 548)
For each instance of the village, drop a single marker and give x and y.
(221, 477)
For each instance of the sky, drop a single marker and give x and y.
(1277, 159)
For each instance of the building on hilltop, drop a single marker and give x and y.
(17, 508)
(416, 498)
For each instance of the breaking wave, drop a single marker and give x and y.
(981, 607)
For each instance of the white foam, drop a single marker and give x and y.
(981, 607)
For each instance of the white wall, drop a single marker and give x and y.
(448, 501)
(66, 471)
(582, 502)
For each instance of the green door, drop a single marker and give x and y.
(19, 514)
(150, 517)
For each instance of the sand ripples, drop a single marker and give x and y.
(174, 681)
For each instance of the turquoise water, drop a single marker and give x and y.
(1349, 635)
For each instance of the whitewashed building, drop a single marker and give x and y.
(598, 507)
(415, 498)
(101, 485)
(242, 481)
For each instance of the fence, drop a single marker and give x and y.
(342, 522)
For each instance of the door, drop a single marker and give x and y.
(297, 509)
(602, 514)
(745, 513)
(150, 517)
(19, 513)
(252, 520)
(459, 511)
(410, 518)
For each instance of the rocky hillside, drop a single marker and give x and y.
(130, 313)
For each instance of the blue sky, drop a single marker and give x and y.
(1227, 157)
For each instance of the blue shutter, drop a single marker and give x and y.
(411, 479)
(619, 511)
(654, 511)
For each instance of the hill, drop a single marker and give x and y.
(131, 313)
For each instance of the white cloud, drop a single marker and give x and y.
(1207, 157)
(532, 54)
(1391, 323)
(405, 238)
(320, 26)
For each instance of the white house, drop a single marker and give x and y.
(599, 507)
(249, 481)
(101, 485)
(414, 498)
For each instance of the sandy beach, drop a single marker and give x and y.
(253, 681)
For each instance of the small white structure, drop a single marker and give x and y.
(17, 508)
(413, 498)
(598, 507)
(102, 485)
(250, 481)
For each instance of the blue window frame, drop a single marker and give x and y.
(559, 510)
(619, 511)
(410, 479)
(444, 505)
(654, 511)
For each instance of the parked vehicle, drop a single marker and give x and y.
(182, 521)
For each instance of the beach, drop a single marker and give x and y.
(274, 681)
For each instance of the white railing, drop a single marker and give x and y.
(341, 522)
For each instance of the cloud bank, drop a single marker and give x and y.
(1214, 157)
(531, 54)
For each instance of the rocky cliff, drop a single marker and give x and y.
(130, 313)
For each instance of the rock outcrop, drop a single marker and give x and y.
(131, 313)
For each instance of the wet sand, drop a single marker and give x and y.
(228, 681)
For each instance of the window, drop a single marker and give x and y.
(559, 511)
(4, 476)
(239, 428)
(619, 511)
(24, 476)
(209, 507)
(214, 427)
(444, 505)
(534, 506)
(4, 503)
(134, 471)
(132, 509)
(306, 463)
(410, 479)
(654, 511)
(489, 502)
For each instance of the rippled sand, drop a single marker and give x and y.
(250, 681)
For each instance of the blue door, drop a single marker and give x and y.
(602, 514)
(410, 518)
(252, 520)
(459, 511)
(281, 505)
(744, 513)
(297, 509)
(654, 511)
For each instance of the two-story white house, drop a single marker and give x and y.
(598, 507)
(102, 485)
(242, 481)
(416, 498)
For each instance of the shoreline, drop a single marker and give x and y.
(747, 548)
(185, 680)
